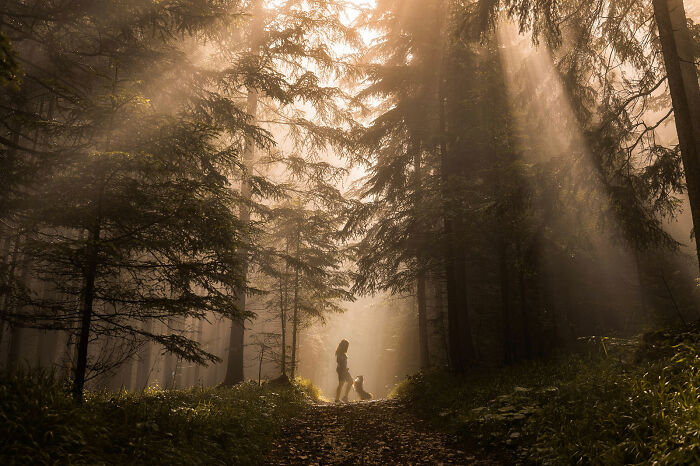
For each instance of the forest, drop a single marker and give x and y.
(474, 218)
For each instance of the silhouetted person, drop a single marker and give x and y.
(343, 372)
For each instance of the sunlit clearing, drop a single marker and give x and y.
(382, 334)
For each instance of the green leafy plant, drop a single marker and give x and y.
(626, 402)
(41, 424)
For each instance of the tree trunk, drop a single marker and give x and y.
(7, 294)
(198, 367)
(124, 378)
(504, 278)
(260, 363)
(459, 329)
(420, 277)
(17, 332)
(644, 314)
(439, 305)
(16, 339)
(170, 363)
(143, 370)
(525, 321)
(88, 299)
(677, 48)
(48, 342)
(283, 319)
(422, 321)
(234, 367)
(295, 322)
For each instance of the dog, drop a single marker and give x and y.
(357, 384)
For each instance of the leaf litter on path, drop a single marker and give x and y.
(374, 432)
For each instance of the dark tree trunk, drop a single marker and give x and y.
(460, 338)
(283, 322)
(48, 341)
(260, 363)
(643, 307)
(459, 328)
(168, 371)
(422, 321)
(87, 304)
(124, 378)
(7, 294)
(16, 339)
(526, 316)
(440, 306)
(17, 335)
(170, 363)
(566, 284)
(506, 317)
(419, 235)
(677, 48)
(143, 370)
(234, 366)
(295, 322)
(198, 367)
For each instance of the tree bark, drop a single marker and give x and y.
(504, 278)
(9, 276)
(525, 321)
(459, 330)
(234, 367)
(16, 339)
(440, 310)
(677, 49)
(88, 300)
(198, 367)
(422, 321)
(295, 319)
(260, 363)
(283, 319)
(170, 363)
(420, 276)
(143, 370)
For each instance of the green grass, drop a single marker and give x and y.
(614, 402)
(39, 423)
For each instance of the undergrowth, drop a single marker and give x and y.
(616, 402)
(40, 424)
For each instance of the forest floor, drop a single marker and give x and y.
(367, 432)
(606, 401)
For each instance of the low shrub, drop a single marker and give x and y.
(628, 402)
(41, 424)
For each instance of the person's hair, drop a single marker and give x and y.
(342, 346)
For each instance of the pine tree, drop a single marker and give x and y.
(120, 200)
(414, 174)
(287, 66)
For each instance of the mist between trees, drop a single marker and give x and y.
(196, 192)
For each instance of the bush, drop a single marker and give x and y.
(41, 424)
(612, 406)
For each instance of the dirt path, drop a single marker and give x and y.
(373, 432)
